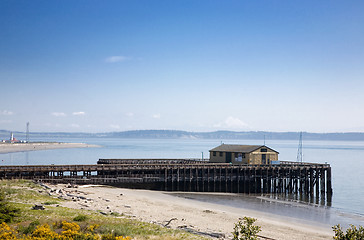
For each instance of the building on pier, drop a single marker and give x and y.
(243, 154)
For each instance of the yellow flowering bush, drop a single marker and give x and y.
(44, 232)
(7, 232)
(123, 238)
(93, 227)
(70, 231)
(111, 237)
(70, 226)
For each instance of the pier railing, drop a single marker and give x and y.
(153, 161)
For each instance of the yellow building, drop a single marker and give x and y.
(243, 154)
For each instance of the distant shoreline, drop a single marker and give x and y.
(37, 146)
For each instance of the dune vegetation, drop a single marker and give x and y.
(21, 221)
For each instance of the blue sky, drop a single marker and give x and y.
(95, 66)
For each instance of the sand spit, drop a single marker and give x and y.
(208, 219)
(23, 147)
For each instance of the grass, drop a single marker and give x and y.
(24, 194)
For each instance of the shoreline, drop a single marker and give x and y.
(37, 146)
(165, 209)
(305, 212)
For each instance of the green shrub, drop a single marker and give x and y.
(352, 233)
(7, 212)
(80, 218)
(245, 230)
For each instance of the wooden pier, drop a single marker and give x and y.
(302, 179)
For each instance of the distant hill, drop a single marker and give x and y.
(175, 134)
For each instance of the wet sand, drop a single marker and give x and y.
(182, 213)
(23, 147)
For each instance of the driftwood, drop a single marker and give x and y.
(42, 184)
(267, 238)
(165, 225)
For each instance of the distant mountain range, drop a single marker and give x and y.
(173, 134)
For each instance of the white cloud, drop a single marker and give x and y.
(58, 114)
(129, 114)
(74, 125)
(6, 112)
(156, 116)
(114, 59)
(78, 113)
(115, 126)
(232, 123)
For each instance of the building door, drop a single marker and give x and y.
(264, 158)
(228, 157)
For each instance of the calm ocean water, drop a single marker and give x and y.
(345, 157)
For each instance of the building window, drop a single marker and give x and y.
(243, 155)
(220, 154)
(214, 154)
(263, 150)
(236, 154)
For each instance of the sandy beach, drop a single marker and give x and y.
(23, 147)
(165, 209)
